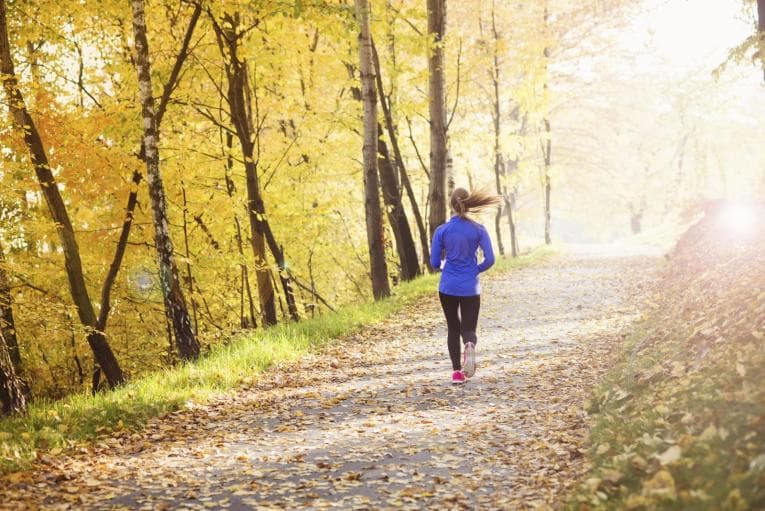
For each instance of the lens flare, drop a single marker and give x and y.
(739, 219)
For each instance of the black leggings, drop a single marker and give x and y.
(461, 319)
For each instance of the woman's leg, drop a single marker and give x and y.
(469, 307)
(451, 305)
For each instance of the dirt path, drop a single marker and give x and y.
(374, 422)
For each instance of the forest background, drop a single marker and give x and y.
(255, 132)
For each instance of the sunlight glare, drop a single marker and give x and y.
(739, 219)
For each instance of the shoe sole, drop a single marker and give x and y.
(469, 368)
(458, 382)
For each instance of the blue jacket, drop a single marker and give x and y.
(460, 239)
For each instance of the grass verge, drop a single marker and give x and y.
(54, 426)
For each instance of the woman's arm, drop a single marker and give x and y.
(484, 241)
(436, 247)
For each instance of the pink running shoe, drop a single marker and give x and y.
(458, 378)
(468, 363)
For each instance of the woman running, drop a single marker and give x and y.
(459, 290)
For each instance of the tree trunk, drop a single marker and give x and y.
(509, 194)
(132, 202)
(509, 198)
(451, 183)
(437, 109)
(239, 98)
(266, 292)
(12, 398)
(386, 102)
(392, 136)
(373, 212)
(255, 207)
(187, 255)
(79, 291)
(547, 180)
(496, 115)
(636, 223)
(285, 276)
(407, 253)
(636, 219)
(547, 146)
(246, 322)
(511, 221)
(761, 32)
(498, 228)
(175, 304)
(7, 324)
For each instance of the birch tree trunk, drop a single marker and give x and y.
(437, 111)
(547, 140)
(132, 201)
(373, 212)
(175, 304)
(57, 208)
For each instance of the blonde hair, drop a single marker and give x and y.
(464, 203)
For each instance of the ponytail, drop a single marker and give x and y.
(464, 203)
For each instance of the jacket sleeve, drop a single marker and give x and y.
(436, 247)
(484, 241)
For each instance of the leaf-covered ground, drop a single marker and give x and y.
(679, 422)
(373, 422)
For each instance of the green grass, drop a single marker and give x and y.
(52, 426)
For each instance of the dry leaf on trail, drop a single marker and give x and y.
(670, 456)
(661, 485)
